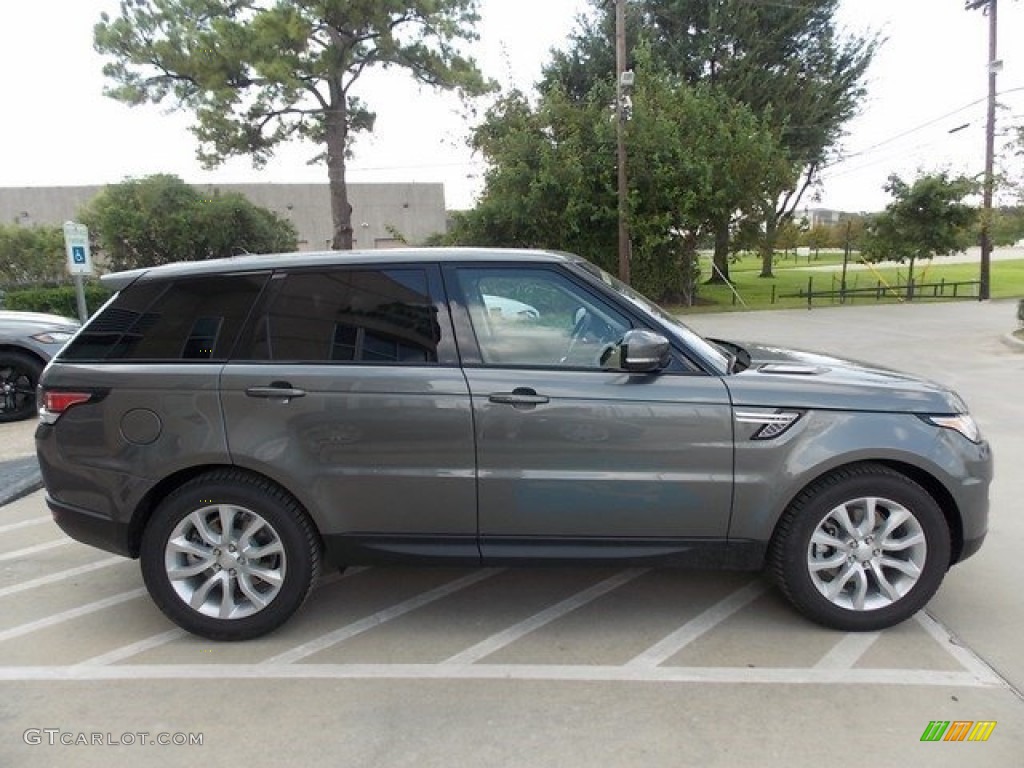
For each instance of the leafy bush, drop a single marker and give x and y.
(59, 300)
(31, 254)
(161, 219)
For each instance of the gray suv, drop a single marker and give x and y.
(239, 424)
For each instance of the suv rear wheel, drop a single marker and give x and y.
(229, 556)
(861, 549)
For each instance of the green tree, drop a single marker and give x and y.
(925, 219)
(550, 181)
(1007, 225)
(787, 61)
(257, 73)
(817, 237)
(695, 156)
(698, 157)
(229, 224)
(849, 232)
(30, 255)
(788, 237)
(161, 219)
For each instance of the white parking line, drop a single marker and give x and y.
(665, 649)
(34, 550)
(508, 636)
(847, 652)
(25, 524)
(344, 633)
(127, 651)
(70, 573)
(163, 638)
(836, 667)
(552, 672)
(963, 655)
(74, 613)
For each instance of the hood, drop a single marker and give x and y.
(778, 377)
(35, 320)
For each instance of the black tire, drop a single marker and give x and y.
(850, 595)
(19, 375)
(260, 578)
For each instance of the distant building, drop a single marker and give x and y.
(817, 217)
(383, 215)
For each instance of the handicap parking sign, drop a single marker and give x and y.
(76, 241)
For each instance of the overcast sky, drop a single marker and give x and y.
(58, 129)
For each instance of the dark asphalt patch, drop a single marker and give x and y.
(19, 477)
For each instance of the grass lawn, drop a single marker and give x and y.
(791, 276)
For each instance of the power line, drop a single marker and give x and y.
(920, 127)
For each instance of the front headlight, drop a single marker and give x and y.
(961, 422)
(53, 337)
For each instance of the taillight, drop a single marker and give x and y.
(56, 401)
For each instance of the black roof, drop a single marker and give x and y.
(251, 262)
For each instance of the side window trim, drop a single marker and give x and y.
(465, 337)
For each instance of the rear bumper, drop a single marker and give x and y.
(90, 528)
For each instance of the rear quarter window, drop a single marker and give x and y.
(196, 318)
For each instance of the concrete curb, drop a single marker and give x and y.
(18, 478)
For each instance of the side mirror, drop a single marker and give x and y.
(639, 351)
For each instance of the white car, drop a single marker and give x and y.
(510, 309)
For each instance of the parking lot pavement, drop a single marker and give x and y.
(19, 471)
(17, 439)
(538, 667)
(961, 345)
(529, 666)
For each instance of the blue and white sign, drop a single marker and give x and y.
(76, 242)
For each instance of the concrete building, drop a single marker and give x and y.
(383, 215)
(826, 216)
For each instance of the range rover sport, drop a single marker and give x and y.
(239, 424)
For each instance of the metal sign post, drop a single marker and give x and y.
(76, 243)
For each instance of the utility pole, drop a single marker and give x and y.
(620, 134)
(994, 65)
(846, 261)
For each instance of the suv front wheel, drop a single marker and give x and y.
(229, 556)
(861, 549)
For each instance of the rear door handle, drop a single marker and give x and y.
(519, 396)
(278, 390)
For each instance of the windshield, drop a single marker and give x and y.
(698, 343)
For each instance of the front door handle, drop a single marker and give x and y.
(278, 390)
(519, 396)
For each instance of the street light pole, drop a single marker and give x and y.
(620, 133)
(984, 279)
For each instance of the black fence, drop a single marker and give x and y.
(908, 291)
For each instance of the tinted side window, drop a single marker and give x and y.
(196, 318)
(349, 315)
(536, 317)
